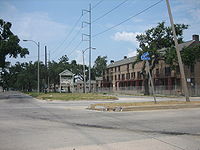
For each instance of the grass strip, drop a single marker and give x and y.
(71, 96)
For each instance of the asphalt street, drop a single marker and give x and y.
(30, 124)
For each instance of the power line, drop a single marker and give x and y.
(70, 32)
(75, 36)
(97, 4)
(75, 48)
(110, 11)
(144, 10)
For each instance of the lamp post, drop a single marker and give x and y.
(84, 77)
(38, 72)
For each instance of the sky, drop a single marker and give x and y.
(57, 24)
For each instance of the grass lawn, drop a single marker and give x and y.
(114, 105)
(71, 96)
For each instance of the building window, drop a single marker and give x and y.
(118, 68)
(107, 71)
(115, 77)
(138, 75)
(111, 78)
(127, 67)
(123, 76)
(115, 69)
(128, 76)
(107, 78)
(131, 75)
(167, 71)
(119, 77)
(192, 68)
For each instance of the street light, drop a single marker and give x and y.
(38, 75)
(84, 78)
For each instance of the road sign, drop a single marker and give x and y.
(145, 56)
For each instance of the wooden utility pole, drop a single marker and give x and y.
(184, 83)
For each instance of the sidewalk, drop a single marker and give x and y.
(127, 99)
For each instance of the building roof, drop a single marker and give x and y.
(132, 59)
(122, 62)
(66, 73)
(186, 44)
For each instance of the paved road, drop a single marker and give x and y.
(29, 124)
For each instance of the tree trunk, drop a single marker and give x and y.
(54, 87)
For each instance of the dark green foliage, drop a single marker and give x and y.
(9, 44)
(100, 66)
(160, 36)
(23, 76)
(171, 57)
(153, 41)
(190, 55)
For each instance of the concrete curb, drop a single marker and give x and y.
(147, 107)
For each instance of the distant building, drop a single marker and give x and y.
(66, 81)
(121, 73)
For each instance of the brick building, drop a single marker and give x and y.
(122, 74)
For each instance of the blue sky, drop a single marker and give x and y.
(50, 21)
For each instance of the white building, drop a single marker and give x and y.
(66, 81)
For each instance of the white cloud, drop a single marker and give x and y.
(192, 7)
(131, 52)
(126, 36)
(36, 25)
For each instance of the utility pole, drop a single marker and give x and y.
(46, 70)
(90, 46)
(84, 79)
(48, 73)
(38, 88)
(184, 83)
(89, 40)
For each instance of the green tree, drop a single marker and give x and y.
(9, 46)
(54, 70)
(9, 43)
(152, 41)
(99, 66)
(22, 76)
(190, 55)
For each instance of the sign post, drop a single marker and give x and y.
(146, 58)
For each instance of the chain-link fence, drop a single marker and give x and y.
(159, 90)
